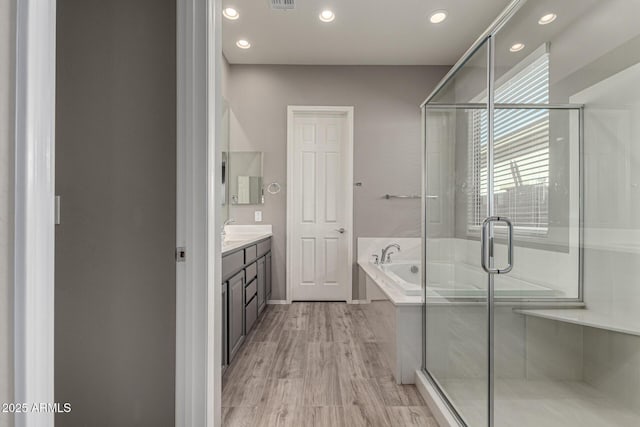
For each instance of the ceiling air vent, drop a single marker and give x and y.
(283, 4)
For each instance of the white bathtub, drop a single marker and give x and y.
(459, 281)
(393, 308)
(406, 275)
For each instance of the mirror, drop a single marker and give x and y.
(245, 177)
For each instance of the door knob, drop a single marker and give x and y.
(340, 230)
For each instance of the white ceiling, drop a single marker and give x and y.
(365, 32)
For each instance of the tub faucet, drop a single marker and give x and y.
(385, 258)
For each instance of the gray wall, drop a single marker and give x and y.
(7, 21)
(116, 173)
(387, 141)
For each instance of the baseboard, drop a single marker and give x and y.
(277, 301)
(284, 301)
(439, 408)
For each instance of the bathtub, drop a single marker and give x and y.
(406, 275)
(465, 281)
(454, 281)
(393, 308)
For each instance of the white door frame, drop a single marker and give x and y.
(198, 293)
(348, 186)
(35, 84)
(198, 357)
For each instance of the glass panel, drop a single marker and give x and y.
(562, 365)
(533, 357)
(456, 286)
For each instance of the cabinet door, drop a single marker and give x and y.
(225, 335)
(251, 314)
(261, 285)
(236, 313)
(268, 274)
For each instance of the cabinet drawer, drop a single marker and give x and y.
(250, 290)
(250, 254)
(250, 272)
(251, 314)
(232, 263)
(264, 247)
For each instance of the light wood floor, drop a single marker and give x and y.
(316, 364)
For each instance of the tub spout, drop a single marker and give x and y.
(385, 258)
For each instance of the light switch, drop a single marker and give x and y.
(258, 216)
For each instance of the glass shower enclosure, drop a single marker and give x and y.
(526, 322)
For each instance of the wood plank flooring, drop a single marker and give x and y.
(318, 365)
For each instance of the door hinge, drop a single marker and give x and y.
(181, 254)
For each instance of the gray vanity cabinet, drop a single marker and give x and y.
(236, 313)
(262, 284)
(246, 287)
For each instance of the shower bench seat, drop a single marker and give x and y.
(586, 317)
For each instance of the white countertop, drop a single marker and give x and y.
(238, 236)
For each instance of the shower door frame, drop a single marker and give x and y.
(488, 37)
(490, 300)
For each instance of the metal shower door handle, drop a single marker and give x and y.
(488, 244)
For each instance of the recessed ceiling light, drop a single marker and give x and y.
(231, 13)
(327, 15)
(547, 19)
(516, 47)
(243, 44)
(438, 16)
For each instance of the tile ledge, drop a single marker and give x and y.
(585, 317)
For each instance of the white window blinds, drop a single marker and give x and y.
(521, 153)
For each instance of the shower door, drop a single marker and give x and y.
(456, 204)
(502, 232)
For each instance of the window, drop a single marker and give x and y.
(521, 152)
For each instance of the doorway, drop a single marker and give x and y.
(319, 203)
(115, 173)
(187, 309)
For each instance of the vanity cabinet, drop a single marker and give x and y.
(246, 287)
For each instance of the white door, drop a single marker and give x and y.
(320, 203)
